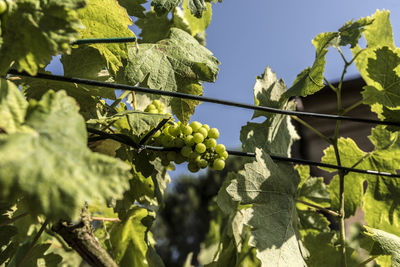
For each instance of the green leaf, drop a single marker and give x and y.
(12, 107)
(177, 63)
(102, 19)
(179, 57)
(384, 243)
(36, 257)
(183, 108)
(382, 71)
(271, 190)
(197, 7)
(36, 30)
(380, 201)
(277, 133)
(323, 251)
(134, 7)
(312, 189)
(311, 80)
(196, 24)
(130, 243)
(350, 155)
(154, 28)
(137, 122)
(50, 165)
(164, 6)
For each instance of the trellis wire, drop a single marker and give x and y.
(200, 98)
(104, 40)
(128, 141)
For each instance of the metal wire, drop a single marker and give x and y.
(128, 141)
(104, 40)
(200, 98)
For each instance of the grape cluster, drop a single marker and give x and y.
(195, 143)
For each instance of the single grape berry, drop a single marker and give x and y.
(210, 142)
(174, 130)
(189, 140)
(224, 155)
(186, 151)
(192, 167)
(178, 142)
(213, 133)
(195, 126)
(220, 148)
(198, 138)
(179, 159)
(157, 134)
(219, 164)
(186, 129)
(200, 148)
(202, 163)
(206, 126)
(203, 131)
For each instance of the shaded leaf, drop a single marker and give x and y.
(164, 6)
(51, 166)
(134, 7)
(37, 30)
(154, 28)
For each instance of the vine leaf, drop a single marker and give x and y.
(276, 134)
(131, 240)
(165, 65)
(197, 7)
(312, 190)
(102, 19)
(271, 190)
(380, 201)
(161, 7)
(35, 31)
(196, 24)
(154, 28)
(134, 7)
(12, 107)
(311, 80)
(350, 155)
(382, 243)
(184, 108)
(37, 256)
(50, 164)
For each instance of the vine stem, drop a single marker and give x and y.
(35, 239)
(14, 219)
(367, 261)
(311, 128)
(103, 219)
(331, 212)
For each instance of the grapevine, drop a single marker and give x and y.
(84, 170)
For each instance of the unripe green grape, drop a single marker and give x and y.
(186, 151)
(192, 167)
(189, 140)
(186, 129)
(158, 104)
(178, 142)
(220, 148)
(206, 126)
(203, 131)
(198, 138)
(213, 133)
(195, 126)
(167, 140)
(179, 159)
(200, 148)
(153, 111)
(202, 163)
(171, 155)
(210, 142)
(174, 130)
(193, 155)
(165, 130)
(219, 164)
(224, 155)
